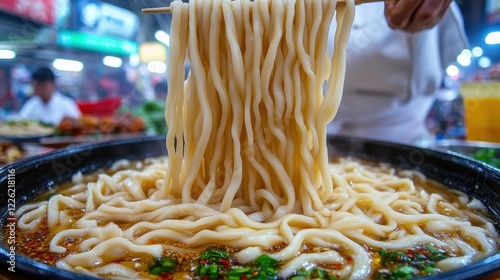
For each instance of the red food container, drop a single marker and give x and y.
(101, 108)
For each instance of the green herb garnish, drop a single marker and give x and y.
(315, 273)
(414, 262)
(489, 156)
(162, 265)
(218, 264)
(214, 263)
(214, 255)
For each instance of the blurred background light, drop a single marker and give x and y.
(466, 53)
(67, 65)
(493, 38)
(484, 62)
(477, 52)
(7, 54)
(452, 71)
(464, 60)
(157, 67)
(112, 61)
(163, 37)
(134, 60)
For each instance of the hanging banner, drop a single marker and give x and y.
(40, 11)
(104, 44)
(100, 18)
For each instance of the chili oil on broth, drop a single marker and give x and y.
(35, 243)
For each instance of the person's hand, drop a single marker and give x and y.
(415, 15)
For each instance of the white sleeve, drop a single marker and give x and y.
(433, 50)
(452, 35)
(26, 110)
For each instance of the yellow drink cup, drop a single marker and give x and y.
(482, 111)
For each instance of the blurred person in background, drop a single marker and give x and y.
(397, 56)
(47, 105)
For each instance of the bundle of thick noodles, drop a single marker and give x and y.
(248, 163)
(250, 121)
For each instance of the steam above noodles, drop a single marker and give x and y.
(248, 164)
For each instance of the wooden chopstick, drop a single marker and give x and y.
(163, 10)
(159, 10)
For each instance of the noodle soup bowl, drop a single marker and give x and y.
(22, 181)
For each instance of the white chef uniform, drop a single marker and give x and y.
(392, 75)
(52, 112)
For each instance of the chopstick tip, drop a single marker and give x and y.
(159, 10)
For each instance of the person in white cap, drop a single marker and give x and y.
(47, 105)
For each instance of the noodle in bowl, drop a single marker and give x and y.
(454, 170)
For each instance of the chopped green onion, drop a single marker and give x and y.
(214, 254)
(415, 262)
(404, 272)
(265, 261)
(162, 265)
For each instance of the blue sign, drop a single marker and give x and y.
(103, 19)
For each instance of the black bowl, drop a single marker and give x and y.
(37, 175)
